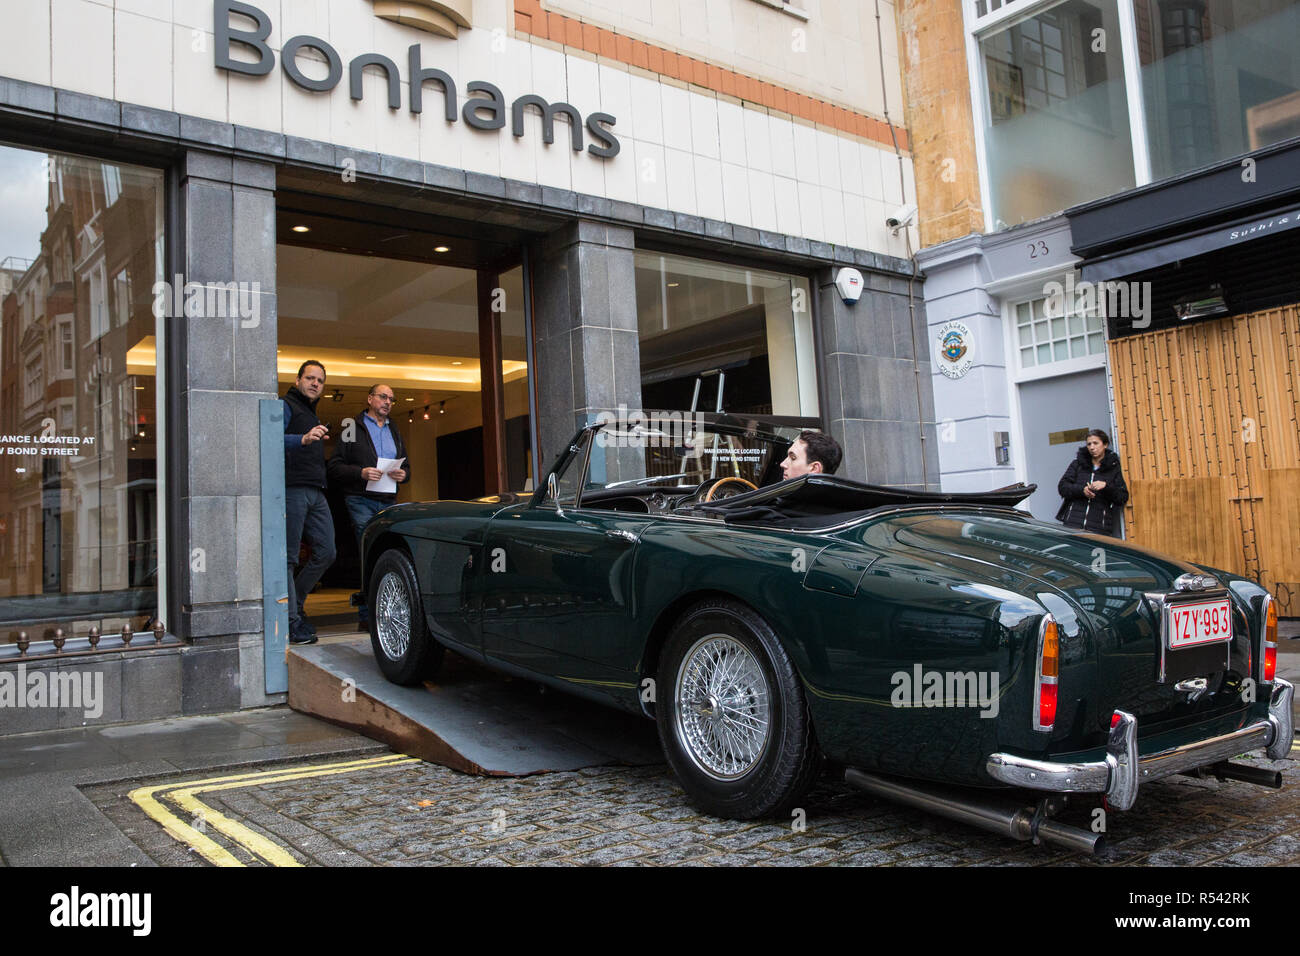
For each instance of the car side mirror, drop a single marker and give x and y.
(553, 492)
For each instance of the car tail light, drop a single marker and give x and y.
(1048, 663)
(1270, 639)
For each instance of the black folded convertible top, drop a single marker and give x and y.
(808, 501)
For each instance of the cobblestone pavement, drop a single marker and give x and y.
(423, 814)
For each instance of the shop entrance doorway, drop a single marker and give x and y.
(434, 311)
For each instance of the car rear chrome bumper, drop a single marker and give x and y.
(1118, 775)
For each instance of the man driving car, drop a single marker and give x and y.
(812, 453)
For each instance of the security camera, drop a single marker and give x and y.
(902, 216)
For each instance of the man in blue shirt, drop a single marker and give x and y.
(354, 466)
(307, 514)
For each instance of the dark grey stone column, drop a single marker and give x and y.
(227, 217)
(585, 326)
(876, 369)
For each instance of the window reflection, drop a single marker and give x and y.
(79, 248)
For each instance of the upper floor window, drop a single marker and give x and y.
(1218, 79)
(1056, 126)
(1045, 336)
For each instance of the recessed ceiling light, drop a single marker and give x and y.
(370, 356)
(302, 229)
(410, 399)
(457, 363)
(673, 285)
(442, 248)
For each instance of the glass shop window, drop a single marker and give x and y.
(717, 336)
(79, 507)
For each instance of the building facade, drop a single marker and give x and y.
(519, 215)
(1106, 203)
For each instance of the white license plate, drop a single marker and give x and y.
(1204, 622)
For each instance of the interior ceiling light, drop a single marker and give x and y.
(337, 395)
(673, 285)
(302, 228)
(442, 408)
(409, 399)
(442, 248)
(371, 357)
(457, 363)
(426, 413)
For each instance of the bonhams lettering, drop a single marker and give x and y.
(485, 108)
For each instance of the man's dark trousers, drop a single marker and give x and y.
(361, 509)
(307, 515)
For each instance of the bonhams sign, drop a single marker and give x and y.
(485, 109)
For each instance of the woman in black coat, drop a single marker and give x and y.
(1093, 487)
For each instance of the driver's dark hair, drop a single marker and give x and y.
(822, 447)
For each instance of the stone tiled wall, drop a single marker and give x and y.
(879, 402)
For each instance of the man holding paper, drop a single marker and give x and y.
(368, 465)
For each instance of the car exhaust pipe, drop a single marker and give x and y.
(1001, 817)
(1226, 770)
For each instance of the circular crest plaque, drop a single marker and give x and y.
(954, 346)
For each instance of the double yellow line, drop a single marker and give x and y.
(183, 795)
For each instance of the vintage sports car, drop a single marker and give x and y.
(936, 648)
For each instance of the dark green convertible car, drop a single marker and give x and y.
(945, 650)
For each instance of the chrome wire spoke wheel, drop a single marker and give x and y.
(393, 616)
(723, 707)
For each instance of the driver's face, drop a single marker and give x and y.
(796, 462)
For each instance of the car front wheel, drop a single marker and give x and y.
(404, 648)
(731, 713)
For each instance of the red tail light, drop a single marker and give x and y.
(1049, 653)
(1270, 639)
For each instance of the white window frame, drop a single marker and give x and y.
(977, 27)
(1051, 369)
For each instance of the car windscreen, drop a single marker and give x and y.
(686, 457)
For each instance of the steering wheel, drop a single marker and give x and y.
(713, 488)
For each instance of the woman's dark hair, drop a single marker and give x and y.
(822, 447)
(1105, 439)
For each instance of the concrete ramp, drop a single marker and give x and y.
(470, 719)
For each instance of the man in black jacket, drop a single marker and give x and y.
(307, 514)
(354, 463)
(1092, 488)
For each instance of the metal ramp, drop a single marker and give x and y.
(470, 719)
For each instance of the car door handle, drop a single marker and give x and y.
(622, 536)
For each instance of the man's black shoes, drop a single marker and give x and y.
(300, 632)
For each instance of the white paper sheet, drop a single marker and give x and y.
(385, 484)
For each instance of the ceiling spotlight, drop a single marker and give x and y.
(457, 363)
(302, 229)
(409, 399)
(442, 408)
(426, 413)
(337, 395)
(371, 357)
(673, 285)
(410, 416)
(442, 248)
(141, 434)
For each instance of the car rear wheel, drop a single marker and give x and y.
(404, 648)
(731, 712)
